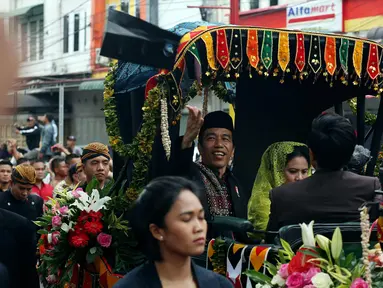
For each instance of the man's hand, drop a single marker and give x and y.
(59, 147)
(17, 131)
(194, 124)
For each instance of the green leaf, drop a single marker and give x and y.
(271, 268)
(309, 253)
(349, 259)
(39, 223)
(357, 272)
(105, 191)
(42, 231)
(286, 246)
(93, 184)
(281, 257)
(257, 277)
(90, 257)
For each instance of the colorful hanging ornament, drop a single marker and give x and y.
(208, 40)
(252, 49)
(283, 51)
(222, 48)
(330, 55)
(315, 55)
(257, 259)
(357, 57)
(343, 54)
(236, 49)
(373, 62)
(197, 62)
(234, 262)
(175, 100)
(300, 56)
(267, 50)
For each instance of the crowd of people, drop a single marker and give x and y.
(25, 187)
(295, 183)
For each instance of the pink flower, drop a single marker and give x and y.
(310, 274)
(56, 221)
(51, 279)
(55, 208)
(104, 240)
(284, 271)
(296, 280)
(75, 193)
(64, 210)
(55, 237)
(309, 286)
(359, 283)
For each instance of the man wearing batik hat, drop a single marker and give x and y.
(216, 146)
(19, 199)
(95, 159)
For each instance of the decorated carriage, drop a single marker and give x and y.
(283, 80)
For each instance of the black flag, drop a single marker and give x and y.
(131, 39)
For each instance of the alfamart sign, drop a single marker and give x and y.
(320, 15)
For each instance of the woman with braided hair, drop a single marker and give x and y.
(281, 163)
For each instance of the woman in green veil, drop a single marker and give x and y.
(282, 162)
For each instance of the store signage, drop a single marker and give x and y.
(320, 15)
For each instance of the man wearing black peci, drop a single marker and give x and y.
(216, 146)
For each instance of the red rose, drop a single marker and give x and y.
(93, 227)
(300, 263)
(78, 240)
(95, 215)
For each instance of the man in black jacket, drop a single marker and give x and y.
(32, 133)
(18, 250)
(216, 146)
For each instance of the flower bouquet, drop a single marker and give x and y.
(76, 228)
(319, 263)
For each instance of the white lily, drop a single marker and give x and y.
(65, 227)
(90, 203)
(308, 234)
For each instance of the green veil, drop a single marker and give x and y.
(270, 175)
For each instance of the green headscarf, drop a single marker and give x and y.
(270, 175)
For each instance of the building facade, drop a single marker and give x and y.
(354, 17)
(62, 71)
